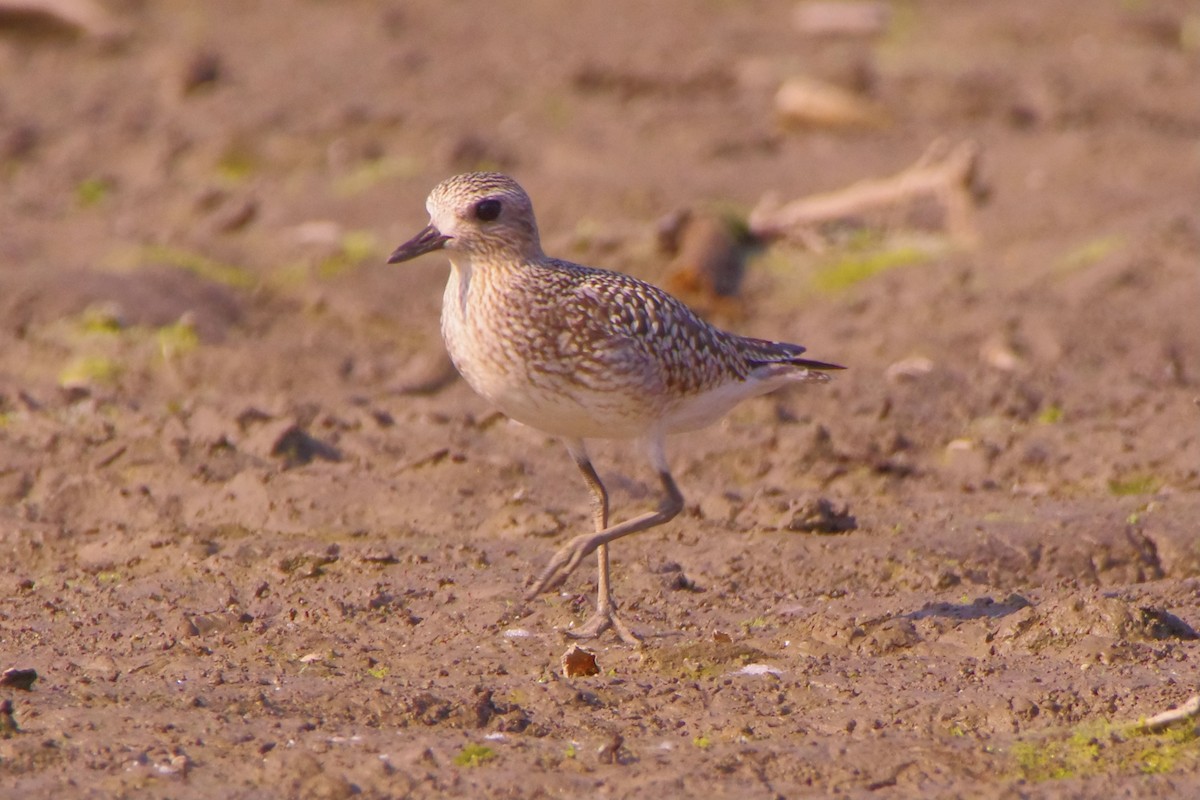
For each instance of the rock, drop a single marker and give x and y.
(203, 69)
(19, 678)
(843, 18)
(579, 663)
(285, 440)
(908, 369)
(820, 516)
(808, 102)
(967, 462)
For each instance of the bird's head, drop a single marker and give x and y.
(479, 214)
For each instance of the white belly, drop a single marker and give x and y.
(541, 397)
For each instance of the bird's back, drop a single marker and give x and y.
(589, 352)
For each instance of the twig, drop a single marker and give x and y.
(86, 16)
(948, 177)
(1189, 710)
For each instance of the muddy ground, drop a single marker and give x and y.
(256, 546)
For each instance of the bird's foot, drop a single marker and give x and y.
(605, 617)
(563, 563)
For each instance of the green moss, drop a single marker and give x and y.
(236, 165)
(473, 755)
(1101, 748)
(1089, 253)
(177, 339)
(99, 319)
(855, 267)
(1133, 484)
(378, 671)
(89, 369)
(1057, 759)
(201, 266)
(702, 741)
(355, 247)
(92, 192)
(1176, 747)
(1050, 415)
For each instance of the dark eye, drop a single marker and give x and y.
(487, 210)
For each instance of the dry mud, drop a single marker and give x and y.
(246, 560)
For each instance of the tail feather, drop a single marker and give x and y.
(761, 352)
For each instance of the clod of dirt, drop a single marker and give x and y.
(428, 373)
(309, 565)
(579, 663)
(429, 709)
(19, 678)
(627, 85)
(1104, 627)
(609, 752)
(234, 214)
(967, 462)
(844, 18)
(674, 578)
(709, 262)
(820, 516)
(204, 624)
(211, 428)
(61, 16)
(705, 658)
(202, 69)
(18, 142)
(8, 724)
(888, 636)
(909, 369)
(1160, 624)
(285, 440)
(807, 102)
(328, 786)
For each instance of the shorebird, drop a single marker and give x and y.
(583, 353)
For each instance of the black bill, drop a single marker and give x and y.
(428, 240)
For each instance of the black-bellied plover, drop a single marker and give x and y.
(583, 353)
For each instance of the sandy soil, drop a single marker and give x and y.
(246, 560)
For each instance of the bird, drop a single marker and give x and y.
(583, 353)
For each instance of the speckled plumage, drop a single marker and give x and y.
(581, 352)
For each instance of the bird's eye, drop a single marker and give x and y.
(487, 210)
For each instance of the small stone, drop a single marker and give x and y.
(579, 663)
(844, 18)
(809, 102)
(820, 516)
(908, 369)
(19, 678)
(202, 69)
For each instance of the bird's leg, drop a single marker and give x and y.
(606, 608)
(569, 557)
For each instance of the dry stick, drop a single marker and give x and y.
(946, 176)
(1158, 722)
(87, 16)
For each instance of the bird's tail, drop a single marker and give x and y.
(763, 352)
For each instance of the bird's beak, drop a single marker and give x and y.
(428, 240)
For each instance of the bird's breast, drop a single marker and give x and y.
(512, 349)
